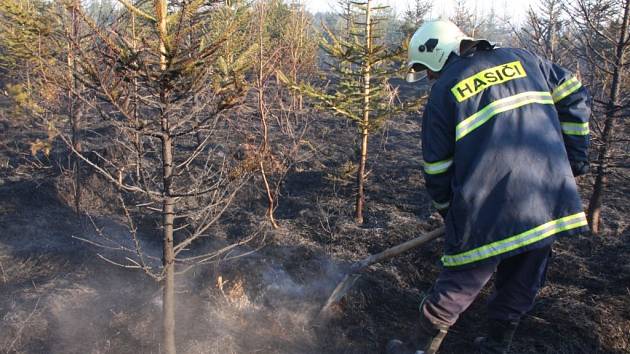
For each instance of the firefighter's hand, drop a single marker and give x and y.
(579, 168)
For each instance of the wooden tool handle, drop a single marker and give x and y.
(349, 279)
(403, 247)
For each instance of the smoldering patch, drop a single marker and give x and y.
(260, 304)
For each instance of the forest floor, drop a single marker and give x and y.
(58, 296)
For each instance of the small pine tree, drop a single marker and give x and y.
(361, 65)
(28, 44)
(414, 16)
(160, 78)
(466, 19)
(31, 40)
(301, 49)
(543, 31)
(602, 44)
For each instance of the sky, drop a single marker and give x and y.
(442, 8)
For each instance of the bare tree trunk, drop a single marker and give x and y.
(551, 33)
(595, 203)
(134, 101)
(75, 113)
(264, 149)
(76, 164)
(366, 118)
(361, 177)
(168, 205)
(168, 208)
(349, 19)
(264, 152)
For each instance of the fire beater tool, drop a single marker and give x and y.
(354, 273)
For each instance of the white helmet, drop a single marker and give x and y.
(430, 47)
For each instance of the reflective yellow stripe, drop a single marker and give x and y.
(499, 106)
(575, 128)
(473, 85)
(511, 243)
(567, 88)
(434, 168)
(441, 206)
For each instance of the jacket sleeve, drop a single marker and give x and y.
(438, 148)
(573, 104)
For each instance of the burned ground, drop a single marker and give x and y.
(58, 296)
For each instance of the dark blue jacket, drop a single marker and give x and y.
(500, 132)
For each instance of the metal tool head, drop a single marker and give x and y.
(340, 291)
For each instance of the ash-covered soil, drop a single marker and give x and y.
(58, 296)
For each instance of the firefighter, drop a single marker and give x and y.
(504, 132)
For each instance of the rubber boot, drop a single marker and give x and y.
(426, 338)
(499, 339)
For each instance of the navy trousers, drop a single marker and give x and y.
(517, 282)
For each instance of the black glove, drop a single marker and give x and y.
(579, 168)
(443, 212)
